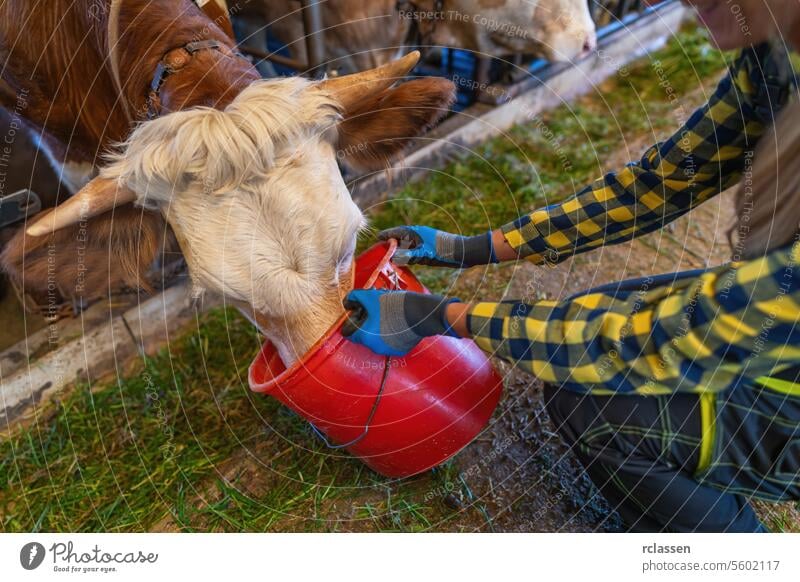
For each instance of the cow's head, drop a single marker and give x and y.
(254, 192)
(558, 30)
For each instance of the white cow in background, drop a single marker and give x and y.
(360, 34)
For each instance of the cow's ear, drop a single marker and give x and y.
(377, 131)
(87, 259)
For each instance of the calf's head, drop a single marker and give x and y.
(254, 192)
(557, 30)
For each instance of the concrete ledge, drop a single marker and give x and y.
(101, 349)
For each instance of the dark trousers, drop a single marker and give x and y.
(644, 452)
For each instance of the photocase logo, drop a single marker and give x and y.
(31, 555)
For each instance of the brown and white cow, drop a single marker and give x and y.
(556, 30)
(360, 34)
(244, 170)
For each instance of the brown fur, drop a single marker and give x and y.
(359, 34)
(56, 52)
(86, 261)
(378, 131)
(149, 30)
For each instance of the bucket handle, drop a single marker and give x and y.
(395, 285)
(360, 437)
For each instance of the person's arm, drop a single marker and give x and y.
(697, 335)
(706, 156)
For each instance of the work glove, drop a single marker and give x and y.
(427, 246)
(392, 323)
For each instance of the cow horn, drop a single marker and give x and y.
(98, 196)
(351, 89)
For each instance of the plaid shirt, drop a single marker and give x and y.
(700, 334)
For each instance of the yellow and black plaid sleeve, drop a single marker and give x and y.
(703, 158)
(699, 334)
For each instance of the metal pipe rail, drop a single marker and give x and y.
(314, 39)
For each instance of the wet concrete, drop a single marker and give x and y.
(522, 473)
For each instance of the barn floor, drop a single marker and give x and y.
(182, 444)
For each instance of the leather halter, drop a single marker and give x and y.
(165, 68)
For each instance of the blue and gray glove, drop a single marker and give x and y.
(392, 323)
(427, 246)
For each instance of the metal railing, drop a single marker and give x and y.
(609, 16)
(313, 37)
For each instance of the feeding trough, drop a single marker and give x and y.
(400, 415)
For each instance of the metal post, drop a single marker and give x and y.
(312, 23)
(295, 64)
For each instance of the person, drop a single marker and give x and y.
(679, 393)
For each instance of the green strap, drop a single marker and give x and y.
(708, 416)
(782, 386)
(708, 427)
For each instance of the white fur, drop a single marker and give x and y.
(257, 196)
(554, 29)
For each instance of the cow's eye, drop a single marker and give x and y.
(345, 260)
(349, 249)
(347, 255)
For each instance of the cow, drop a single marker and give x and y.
(360, 34)
(180, 130)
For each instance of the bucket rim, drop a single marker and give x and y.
(305, 363)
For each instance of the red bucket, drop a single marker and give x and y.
(401, 416)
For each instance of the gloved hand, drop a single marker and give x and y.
(428, 246)
(392, 323)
